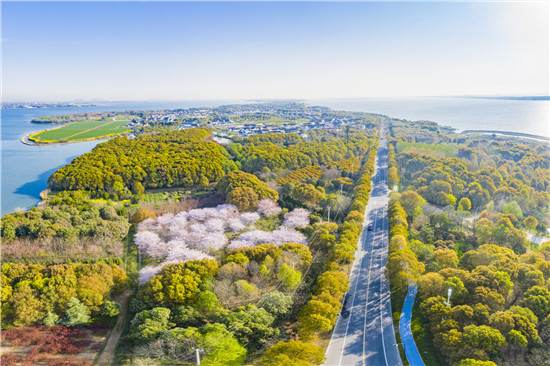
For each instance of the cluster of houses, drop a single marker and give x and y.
(246, 120)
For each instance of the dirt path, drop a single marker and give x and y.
(108, 354)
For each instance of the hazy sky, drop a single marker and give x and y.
(222, 50)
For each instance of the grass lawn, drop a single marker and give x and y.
(81, 131)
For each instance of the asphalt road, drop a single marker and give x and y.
(364, 334)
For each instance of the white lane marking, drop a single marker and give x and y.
(368, 286)
(352, 306)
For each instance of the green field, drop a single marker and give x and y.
(81, 131)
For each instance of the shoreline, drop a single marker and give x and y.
(508, 134)
(25, 140)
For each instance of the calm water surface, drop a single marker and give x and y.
(526, 116)
(25, 169)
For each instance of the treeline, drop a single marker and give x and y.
(68, 294)
(121, 165)
(324, 150)
(393, 175)
(403, 266)
(319, 315)
(513, 176)
(307, 174)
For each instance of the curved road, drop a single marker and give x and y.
(364, 334)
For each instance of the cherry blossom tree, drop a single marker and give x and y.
(215, 225)
(298, 217)
(240, 244)
(195, 234)
(147, 272)
(267, 208)
(248, 218)
(213, 241)
(284, 235)
(235, 225)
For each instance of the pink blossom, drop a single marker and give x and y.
(298, 217)
(178, 232)
(147, 272)
(240, 244)
(227, 211)
(146, 224)
(248, 218)
(268, 208)
(284, 235)
(178, 221)
(197, 214)
(214, 225)
(256, 237)
(165, 219)
(235, 225)
(197, 228)
(146, 240)
(194, 238)
(214, 241)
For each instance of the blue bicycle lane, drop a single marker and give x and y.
(413, 356)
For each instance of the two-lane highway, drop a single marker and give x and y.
(364, 334)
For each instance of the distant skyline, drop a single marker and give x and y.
(64, 51)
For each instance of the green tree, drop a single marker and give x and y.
(307, 194)
(244, 198)
(292, 353)
(27, 308)
(203, 182)
(141, 215)
(289, 277)
(412, 203)
(276, 303)
(149, 324)
(464, 204)
(517, 339)
(513, 208)
(484, 338)
(537, 299)
(110, 309)
(220, 345)
(430, 285)
(137, 188)
(446, 258)
(530, 222)
(76, 313)
(51, 319)
(251, 325)
(472, 362)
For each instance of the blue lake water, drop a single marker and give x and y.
(526, 116)
(25, 169)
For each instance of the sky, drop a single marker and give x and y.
(147, 50)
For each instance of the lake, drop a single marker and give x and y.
(25, 169)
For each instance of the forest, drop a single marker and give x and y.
(257, 279)
(460, 221)
(243, 250)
